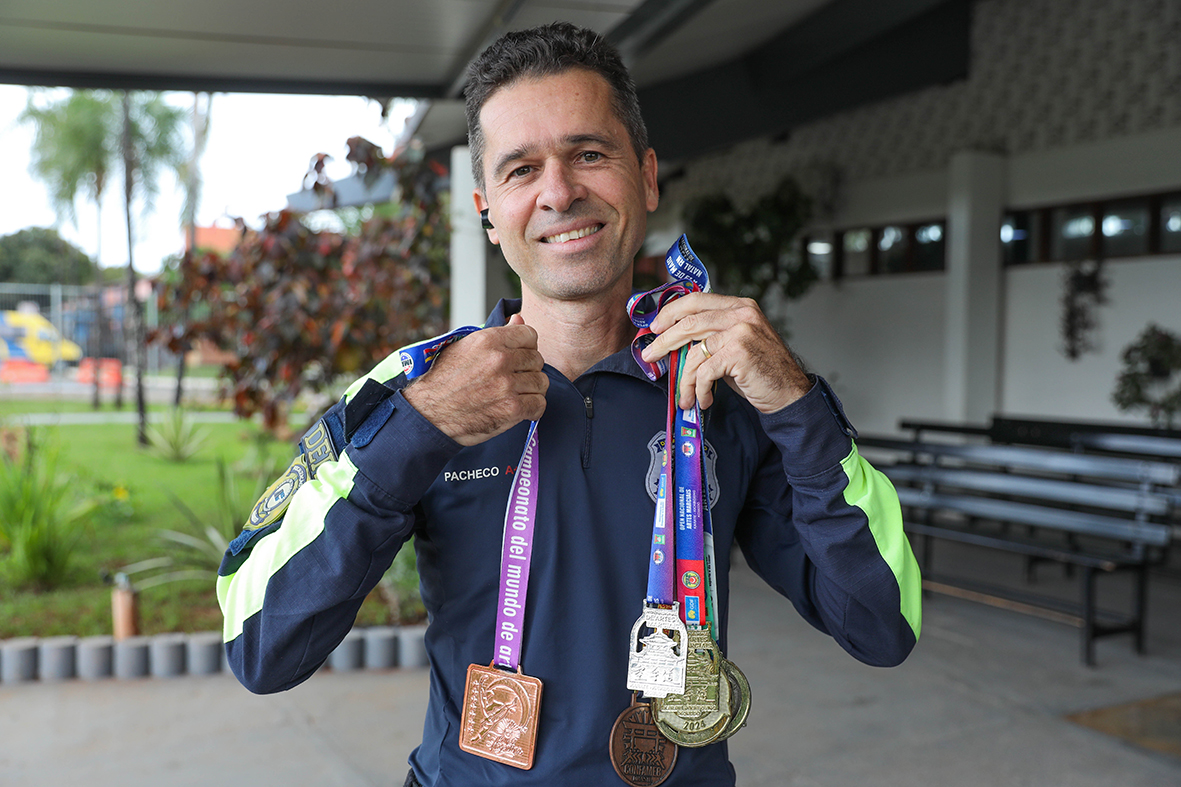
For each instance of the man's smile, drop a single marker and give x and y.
(563, 237)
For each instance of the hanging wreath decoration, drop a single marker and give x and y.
(1151, 376)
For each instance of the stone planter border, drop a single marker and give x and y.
(163, 656)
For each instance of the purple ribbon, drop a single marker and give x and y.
(516, 554)
(517, 539)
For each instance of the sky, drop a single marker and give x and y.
(259, 148)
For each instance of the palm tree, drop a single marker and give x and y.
(80, 141)
(74, 151)
(150, 139)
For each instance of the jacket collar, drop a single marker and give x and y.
(621, 362)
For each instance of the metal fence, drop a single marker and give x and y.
(90, 316)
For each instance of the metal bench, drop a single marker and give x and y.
(1101, 514)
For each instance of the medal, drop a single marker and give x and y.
(701, 714)
(656, 663)
(715, 700)
(500, 713)
(739, 698)
(639, 753)
(501, 705)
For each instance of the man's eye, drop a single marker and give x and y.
(591, 156)
(521, 172)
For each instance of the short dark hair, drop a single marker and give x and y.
(545, 51)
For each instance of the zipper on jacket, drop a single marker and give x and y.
(588, 402)
(586, 439)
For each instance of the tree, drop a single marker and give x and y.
(150, 138)
(73, 151)
(751, 253)
(41, 256)
(300, 308)
(74, 148)
(84, 137)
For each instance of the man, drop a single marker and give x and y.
(567, 179)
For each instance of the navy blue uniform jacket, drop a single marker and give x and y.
(811, 517)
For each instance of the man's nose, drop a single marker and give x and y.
(560, 188)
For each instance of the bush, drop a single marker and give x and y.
(177, 438)
(197, 548)
(42, 515)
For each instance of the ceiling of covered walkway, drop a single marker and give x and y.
(710, 72)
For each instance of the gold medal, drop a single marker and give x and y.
(700, 715)
(639, 753)
(500, 715)
(739, 698)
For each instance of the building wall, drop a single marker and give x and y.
(1082, 99)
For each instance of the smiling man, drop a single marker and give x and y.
(546, 593)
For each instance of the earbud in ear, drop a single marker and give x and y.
(484, 222)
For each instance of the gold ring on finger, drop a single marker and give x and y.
(705, 350)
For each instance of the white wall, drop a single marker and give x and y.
(1037, 379)
(874, 341)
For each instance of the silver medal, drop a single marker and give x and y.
(656, 662)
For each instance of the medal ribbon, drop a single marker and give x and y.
(516, 553)
(681, 497)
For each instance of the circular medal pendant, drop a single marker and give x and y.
(739, 698)
(700, 715)
(639, 753)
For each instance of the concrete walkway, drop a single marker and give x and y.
(108, 417)
(981, 702)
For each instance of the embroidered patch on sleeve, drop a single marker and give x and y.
(315, 449)
(275, 500)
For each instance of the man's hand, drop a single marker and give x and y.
(743, 349)
(483, 384)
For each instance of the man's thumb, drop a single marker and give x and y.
(516, 319)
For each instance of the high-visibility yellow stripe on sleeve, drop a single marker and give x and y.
(871, 491)
(241, 593)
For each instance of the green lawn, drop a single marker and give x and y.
(137, 487)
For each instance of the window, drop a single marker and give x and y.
(892, 249)
(1170, 224)
(1072, 232)
(857, 256)
(1017, 238)
(820, 254)
(1125, 228)
(929, 247)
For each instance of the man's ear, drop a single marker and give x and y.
(481, 206)
(648, 174)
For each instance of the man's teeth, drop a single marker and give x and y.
(565, 236)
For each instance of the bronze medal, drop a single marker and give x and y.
(739, 698)
(639, 753)
(500, 715)
(700, 715)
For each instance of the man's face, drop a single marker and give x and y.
(563, 187)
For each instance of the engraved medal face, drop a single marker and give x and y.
(640, 754)
(739, 698)
(656, 662)
(698, 716)
(500, 713)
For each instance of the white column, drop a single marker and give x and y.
(972, 325)
(469, 246)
